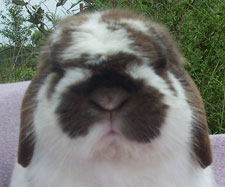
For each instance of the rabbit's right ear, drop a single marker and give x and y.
(27, 134)
(26, 138)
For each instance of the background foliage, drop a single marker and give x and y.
(197, 25)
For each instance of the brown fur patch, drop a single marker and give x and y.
(118, 61)
(142, 114)
(27, 137)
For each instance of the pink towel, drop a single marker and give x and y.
(10, 102)
(218, 147)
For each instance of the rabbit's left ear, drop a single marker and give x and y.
(200, 138)
(201, 144)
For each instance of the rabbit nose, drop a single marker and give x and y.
(109, 99)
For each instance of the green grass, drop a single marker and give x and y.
(198, 27)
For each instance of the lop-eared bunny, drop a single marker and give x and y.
(112, 106)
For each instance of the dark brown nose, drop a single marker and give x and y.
(109, 99)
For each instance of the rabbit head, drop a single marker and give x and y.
(112, 84)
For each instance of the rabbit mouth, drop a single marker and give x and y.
(111, 127)
(112, 133)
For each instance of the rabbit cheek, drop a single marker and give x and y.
(144, 116)
(75, 115)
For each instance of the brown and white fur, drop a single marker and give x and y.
(112, 106)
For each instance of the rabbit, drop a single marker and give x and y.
(112, 105)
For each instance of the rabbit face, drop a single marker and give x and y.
(111, 83)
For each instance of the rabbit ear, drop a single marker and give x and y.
(26, 138)
(200, 139)
(201, 144)
(27, 134)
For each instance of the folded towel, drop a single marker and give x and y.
(10, 102)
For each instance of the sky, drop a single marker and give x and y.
(50, 6)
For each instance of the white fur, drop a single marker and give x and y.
(19, 178)
(98, 161)
(94, 37)
(136, 25)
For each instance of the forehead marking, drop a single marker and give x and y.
(93, 37)
(137, 25)
(146, 28)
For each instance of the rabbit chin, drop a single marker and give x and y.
(113, 146)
